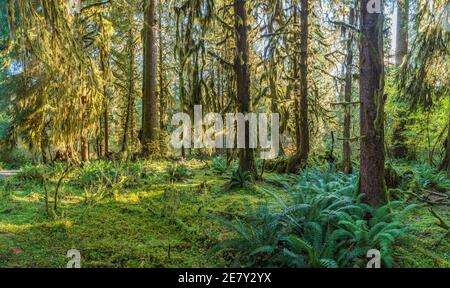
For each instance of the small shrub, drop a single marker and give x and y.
(177, 172)
(240, 179)
(219, 165)
(256, 241)
(32, 173)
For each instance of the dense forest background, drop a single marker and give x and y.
(87, 94)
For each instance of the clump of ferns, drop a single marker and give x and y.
(380, 232)
(256, 241)
(316, 227)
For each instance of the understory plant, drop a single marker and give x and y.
(321, 224)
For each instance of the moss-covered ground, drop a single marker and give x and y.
(154, 224)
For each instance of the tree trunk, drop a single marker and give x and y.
(150, 121)
(128, 131)
(162, 96)
(84, 141)
(104, 65)
(445, 164)
(11, 19)
(372, 153)
(399, 147)
(272, 73)
(106, 119)
(347, 163)
(296, 78)
(246, 157)
(301, 157)
(401, 40)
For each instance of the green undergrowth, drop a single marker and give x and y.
(117, 215)
(167, 214)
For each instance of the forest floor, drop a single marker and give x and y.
(146, 225)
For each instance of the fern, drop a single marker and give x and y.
(240, 179)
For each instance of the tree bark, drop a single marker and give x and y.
(372, 154)
(399, 147)
(150, 120)
(162, 96)
(301, 157)
(246, 156)
(347, 163)
(445, 164)
(11, 19)
(128, 131)
(401, 40)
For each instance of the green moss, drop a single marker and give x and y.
(125, 226)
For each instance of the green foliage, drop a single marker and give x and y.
(177, 172)
(32, 173)
(428, 178)
(321, 224)
(171, 200)
(256, 241)
(14, 158)
(380, 232)
(219, 165)
(240, 179)
(110, 173)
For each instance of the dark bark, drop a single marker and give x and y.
(241, 68)
(372, 154)
(347, 164)
(301, 157)
(150, 119)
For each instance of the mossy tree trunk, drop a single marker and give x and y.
(301, 157)
(445, 164)
(346, 150)
(241, 68)
(372, 153)
(150, 120)
(399, 148)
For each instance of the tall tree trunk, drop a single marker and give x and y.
(445, 164)
(104, 68)
(401, 40)
(128, 134)
(347, 164)
(106, 119)
(272, 73)
(11, 19)
(399, 147)
(301, 157)
(246, 157)
(296, 77)
(372, 153)
(150, 120)
(84, 141)
(162, 96)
